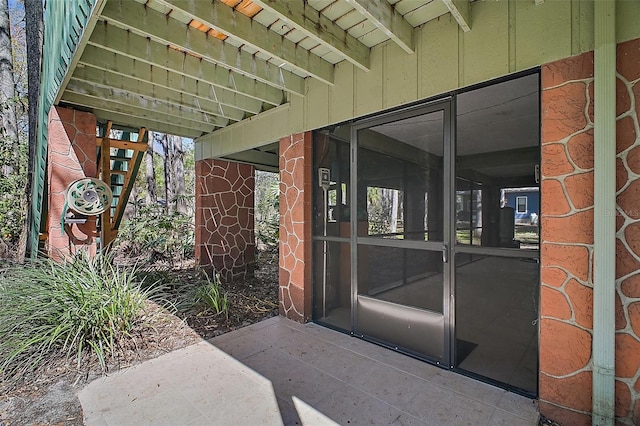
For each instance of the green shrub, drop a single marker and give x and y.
(158, 235)
(210, 296)
(80, 305)
(267, 208)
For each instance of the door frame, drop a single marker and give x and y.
(447, 106)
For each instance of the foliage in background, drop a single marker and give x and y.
(139, 192)
(157, 235)
(381, 209)
(267, 208)
(73, 307)
(12, 208)
(13, 150)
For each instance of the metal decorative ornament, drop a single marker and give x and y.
(88, 196)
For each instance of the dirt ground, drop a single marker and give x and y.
(48, 396)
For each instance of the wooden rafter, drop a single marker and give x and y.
(147, 22)
(132, 121)
(105, 79)
(154, 109)
(388, 20)
(461, 11)
(157, 109)
(319, 28)
(103, 104)
(122, 48)
(142, 72)
(223, 18)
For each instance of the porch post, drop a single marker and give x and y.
(224, 218)
(604, 256)
(295, 226)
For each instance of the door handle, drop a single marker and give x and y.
(445, 254)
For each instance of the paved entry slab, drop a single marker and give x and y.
(280, 372)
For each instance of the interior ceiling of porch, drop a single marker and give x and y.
(190, 67)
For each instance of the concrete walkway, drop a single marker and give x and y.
(280, 372)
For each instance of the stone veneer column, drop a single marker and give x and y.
(567, 239)
(295, 226)
(71, 155)
(224, 218)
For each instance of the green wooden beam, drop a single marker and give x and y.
(461, 11)
(113, 63)
(153, 108)
(168, 31)
(130, 121)
(298, 14)
(92, 19)
(141, 115)
(387, 20)
(106, 80)
(134, 46)
(225, 19)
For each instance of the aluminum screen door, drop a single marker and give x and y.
(400, 243)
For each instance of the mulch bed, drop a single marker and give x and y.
(48, 394)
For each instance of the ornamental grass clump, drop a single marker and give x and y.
(210, 296)
(81, 305)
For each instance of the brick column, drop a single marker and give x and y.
(224, 218)
(567, 239)
(71, 155)
(295, 226)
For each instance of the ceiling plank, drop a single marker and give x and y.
(149, 23)
(154, 107)
(140, 48)
(106, 79)
(223, 18)
(319, 28)
(152, 125)
(160, 106)
(388, 20)
(99, 58)
(142, 114)
(461, 11)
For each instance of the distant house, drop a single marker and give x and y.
(525, 202)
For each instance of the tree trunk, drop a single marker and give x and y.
(167, 147)
(178, 175)
(152, 194)
(34, 34)
(8, 125)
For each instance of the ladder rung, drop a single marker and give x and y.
(118, 158)
(119, 172)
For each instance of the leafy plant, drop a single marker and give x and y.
(84, 304)
(211, 296)
(158, 235)
(267, 210)
(12, 206)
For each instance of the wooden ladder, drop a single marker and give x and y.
(119, 167)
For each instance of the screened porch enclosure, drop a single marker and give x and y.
(424, 255)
